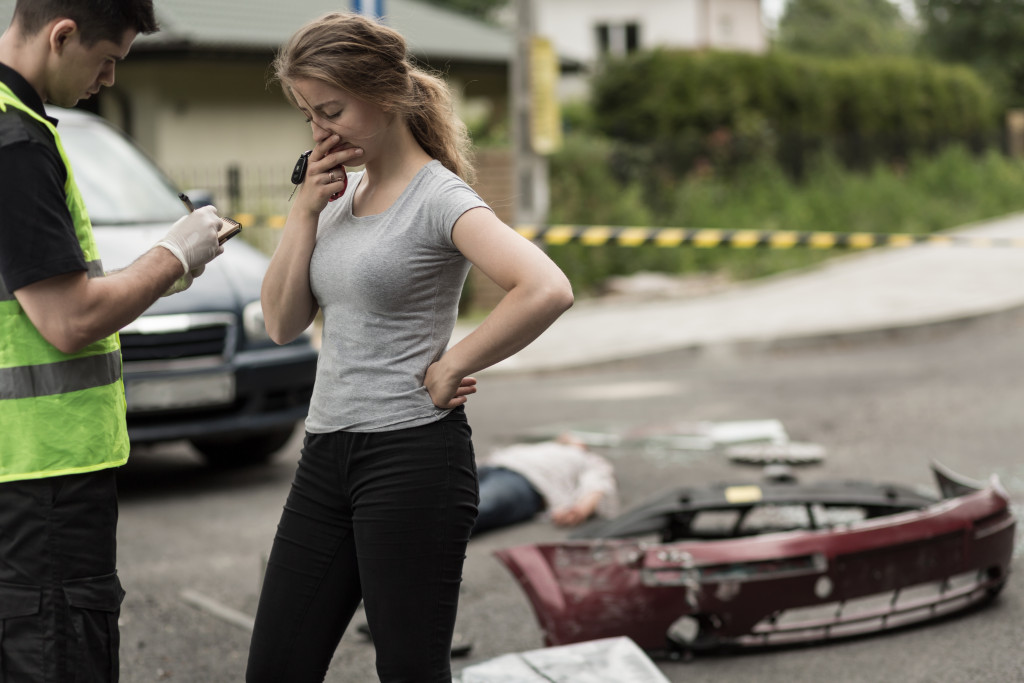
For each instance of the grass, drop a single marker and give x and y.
(926, 194)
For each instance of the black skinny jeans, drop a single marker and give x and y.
(381, 517)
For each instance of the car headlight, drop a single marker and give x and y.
(255, 326)
(253, 323)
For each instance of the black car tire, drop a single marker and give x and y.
(243, 451)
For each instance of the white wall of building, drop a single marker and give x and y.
(737, 25)
(573, 26)
(229, 114)
(198, 119)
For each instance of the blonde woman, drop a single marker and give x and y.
(385, 495)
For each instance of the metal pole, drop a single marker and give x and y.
(235, 188)
(531, 168)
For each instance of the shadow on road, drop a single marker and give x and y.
(175, 469)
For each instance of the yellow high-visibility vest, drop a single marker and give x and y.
(59, 413)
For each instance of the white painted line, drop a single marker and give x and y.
(222, 612)
(623, 391)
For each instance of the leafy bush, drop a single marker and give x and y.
(738, 141)
(926, 194)
(726, 109)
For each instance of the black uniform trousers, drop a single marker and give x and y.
(59, 592)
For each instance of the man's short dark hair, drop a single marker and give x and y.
(97, 19)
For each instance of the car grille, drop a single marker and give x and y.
(170, 337)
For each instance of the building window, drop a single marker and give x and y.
(618, 40)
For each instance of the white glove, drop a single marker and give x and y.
(184, 282)
(193, 239)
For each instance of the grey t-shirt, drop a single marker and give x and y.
(389, 288)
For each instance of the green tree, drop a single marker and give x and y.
(481, 9)
(986, 34)
(845, 28)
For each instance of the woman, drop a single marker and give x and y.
(385, 495)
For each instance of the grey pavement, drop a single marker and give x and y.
(879, 290)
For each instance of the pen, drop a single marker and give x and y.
(229, 226)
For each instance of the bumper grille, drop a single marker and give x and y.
(155, 338)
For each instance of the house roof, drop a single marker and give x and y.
(433, 33)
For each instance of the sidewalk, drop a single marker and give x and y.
(876, 290)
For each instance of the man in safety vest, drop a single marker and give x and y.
(62, 405)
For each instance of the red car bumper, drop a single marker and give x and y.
(775, 588)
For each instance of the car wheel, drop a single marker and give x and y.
(253, 449)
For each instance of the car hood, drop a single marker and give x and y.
(232, 280)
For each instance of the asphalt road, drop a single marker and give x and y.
(882, 407)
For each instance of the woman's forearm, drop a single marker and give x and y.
(519, 318)
(537, 292)
(288, 302)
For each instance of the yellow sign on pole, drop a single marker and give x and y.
(545, 114)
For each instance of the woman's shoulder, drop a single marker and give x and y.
(438, 173)
(445, 186)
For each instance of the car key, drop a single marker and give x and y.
(299, 172)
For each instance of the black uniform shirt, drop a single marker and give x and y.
(37, 233)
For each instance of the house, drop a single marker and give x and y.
(587, 31)
(196, 96)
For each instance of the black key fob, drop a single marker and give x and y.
(299, 172)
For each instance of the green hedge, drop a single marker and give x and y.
(927, 194)
(679, 110)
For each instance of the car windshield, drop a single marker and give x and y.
(120, 185)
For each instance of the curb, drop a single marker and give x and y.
(992, 319)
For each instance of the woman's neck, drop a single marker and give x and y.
(399, 160)
(389, 173)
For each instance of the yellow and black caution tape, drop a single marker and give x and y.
(624, 236)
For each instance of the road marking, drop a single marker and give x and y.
(214, 608)
(623, 390)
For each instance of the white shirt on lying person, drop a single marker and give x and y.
(562, 473)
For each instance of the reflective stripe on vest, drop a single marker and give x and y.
(59, 378)
(59, 413)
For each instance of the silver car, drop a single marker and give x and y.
(197, 365)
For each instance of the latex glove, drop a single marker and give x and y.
(193, 239)
(184, 282)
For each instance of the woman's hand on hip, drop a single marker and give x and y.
(447, 391)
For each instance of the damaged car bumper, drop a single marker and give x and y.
(856, 558)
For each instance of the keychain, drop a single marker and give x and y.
(299, 172)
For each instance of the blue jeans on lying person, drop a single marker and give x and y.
(506, 497)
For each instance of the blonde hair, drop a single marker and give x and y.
(371, 61)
